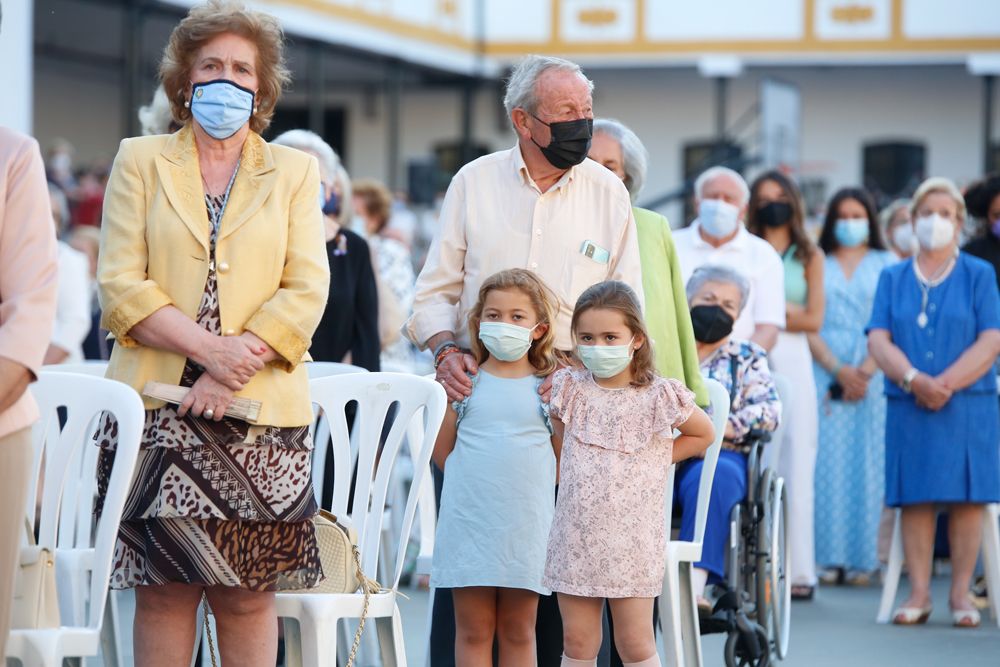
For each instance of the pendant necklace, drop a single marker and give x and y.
(926, 284)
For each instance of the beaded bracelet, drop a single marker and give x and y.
(444, 351)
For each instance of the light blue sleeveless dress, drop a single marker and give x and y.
(499, 489)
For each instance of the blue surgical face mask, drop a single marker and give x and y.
(718, 218)
(221, 107)
(851, 232)
(331, 204)
(505, 342)
(605, 361)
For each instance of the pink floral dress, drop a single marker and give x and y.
(608, 537)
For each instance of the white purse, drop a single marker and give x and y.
(36, 602)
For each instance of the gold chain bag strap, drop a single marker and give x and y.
(341, 561)
(36, 602)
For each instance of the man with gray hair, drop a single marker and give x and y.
(540, 205)
(718, 236)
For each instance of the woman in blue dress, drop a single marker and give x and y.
(935, 332)
(850, 462)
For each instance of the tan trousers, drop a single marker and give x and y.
(15, 468)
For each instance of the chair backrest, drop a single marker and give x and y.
(718, 398)
(321, 427)
(772, 452)
(322, 369)
(90, 367)
(76, 511)
(64, 448)
(382, 399)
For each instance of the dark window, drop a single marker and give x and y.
(893, 169)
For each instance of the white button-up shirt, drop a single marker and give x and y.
(495, 217)
(755, 259)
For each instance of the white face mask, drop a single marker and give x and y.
(934, 231)
(718, 218)
(903, 239)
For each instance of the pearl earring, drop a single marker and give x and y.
(187, 104)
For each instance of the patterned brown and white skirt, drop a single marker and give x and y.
(211, 506)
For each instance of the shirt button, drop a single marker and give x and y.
(534, 265)
(223, 267)
(930, 355)
(538, 232)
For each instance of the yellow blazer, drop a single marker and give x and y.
(272, 268)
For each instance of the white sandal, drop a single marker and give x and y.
(911, 615)
(965, 618)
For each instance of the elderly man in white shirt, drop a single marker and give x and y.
(718, 236)
(541, 205)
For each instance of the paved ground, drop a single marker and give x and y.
(835, 630)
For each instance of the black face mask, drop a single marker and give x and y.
(711, 323)
(569, 143)
(775, 214)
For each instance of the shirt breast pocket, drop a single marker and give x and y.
(579, 273)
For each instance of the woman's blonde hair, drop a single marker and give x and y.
(942, 185)
(206, 22)
(541, 354)
(617, 296)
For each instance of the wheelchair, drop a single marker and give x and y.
(755, 606)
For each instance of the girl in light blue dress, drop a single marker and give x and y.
(499, 460)
(850, 464)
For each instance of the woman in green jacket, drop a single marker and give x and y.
(667, 316)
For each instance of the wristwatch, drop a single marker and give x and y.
(907, 381)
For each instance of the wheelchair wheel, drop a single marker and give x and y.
(762, 566)
(780, 590)
(736, 654)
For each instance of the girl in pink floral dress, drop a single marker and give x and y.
(617, 418)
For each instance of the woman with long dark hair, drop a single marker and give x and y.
(850, 461)
(776, 213)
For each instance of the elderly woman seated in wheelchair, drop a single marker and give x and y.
(716, 295)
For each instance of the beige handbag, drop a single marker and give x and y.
(36, 602)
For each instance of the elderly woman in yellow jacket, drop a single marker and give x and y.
(213, 275)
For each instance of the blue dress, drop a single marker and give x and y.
(953, 455)
(850, 463)
(499, 489)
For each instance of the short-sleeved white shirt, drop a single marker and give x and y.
(755, 259)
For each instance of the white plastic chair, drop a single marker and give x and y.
(111, 639)
(313, 640)
(82, 602)
(991, 564)
(678, 608)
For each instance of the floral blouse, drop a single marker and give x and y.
(755, 403)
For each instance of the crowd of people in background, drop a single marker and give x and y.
(885, 323)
